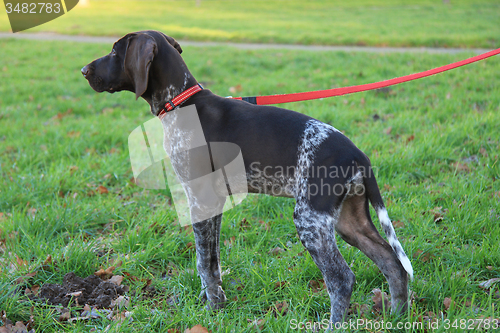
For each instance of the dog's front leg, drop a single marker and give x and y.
(207, 234)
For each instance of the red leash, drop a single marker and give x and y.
(304, 96)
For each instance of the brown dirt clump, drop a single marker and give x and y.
(79, 291)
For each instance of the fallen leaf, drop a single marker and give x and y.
(189, 246)
(425, 257)
(116, 279)
(483, 152)
(380, 300)
(22, 279)
(244, 224)
(65, 315)
(317, 285)
(102, 190)
(60, 116)
(131, 277)
(48, 260)
(21, 262)
(438, 213)
(105, 273)
(257, 324)
(280, 308)
(280, 284)
(410, 138)
(447, 303)
(120, 302)
(489, 283)
(460, 167)
(73, 134)
(196, 329)
(398, 224)
(277, 250)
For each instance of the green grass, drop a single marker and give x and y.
(459, 23)
(434, 144)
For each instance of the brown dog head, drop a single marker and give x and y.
(128, 65)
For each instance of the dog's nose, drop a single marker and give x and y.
(85, 70)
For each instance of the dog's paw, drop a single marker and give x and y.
(215, 301)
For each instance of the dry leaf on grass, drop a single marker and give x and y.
(277, 250)
(280, 284)
(244, 224)
(120, 302)
(257, 324)
(279, 308)
(448, 302)
(197, 329)
(65, 314)
(105, 273)
(19, 327)
(438, 213)
(489, 283)
(425, 257)
(102, 190)
(32, 291)
(380, 300)
(116, 279)
(48, 260)
(317, 285)
(460, 167)
(398, 224)
(23, 279)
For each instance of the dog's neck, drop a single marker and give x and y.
(171, 82)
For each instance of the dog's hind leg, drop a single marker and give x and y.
(317, 234)
(356, 228)
(207, 234)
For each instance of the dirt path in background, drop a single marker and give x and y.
(247, 46)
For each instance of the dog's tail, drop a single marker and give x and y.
(373, 193)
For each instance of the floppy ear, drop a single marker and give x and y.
(174, 43)
(141, 49)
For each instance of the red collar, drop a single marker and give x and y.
(179, 99)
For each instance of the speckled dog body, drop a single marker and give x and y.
(285, 154)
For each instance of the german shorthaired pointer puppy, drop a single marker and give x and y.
(329, 177)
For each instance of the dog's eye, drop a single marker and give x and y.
(113, 52)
